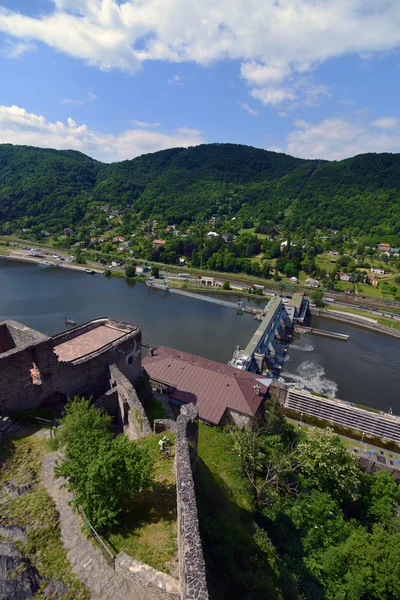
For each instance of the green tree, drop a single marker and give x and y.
(105, 472)
(155, 271)
(226, 285)
(327, 465)
(317, 296)
(130, 271)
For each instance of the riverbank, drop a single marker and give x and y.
(358, 320)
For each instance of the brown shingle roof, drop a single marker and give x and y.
(210, 385)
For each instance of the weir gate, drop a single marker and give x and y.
(264, 345)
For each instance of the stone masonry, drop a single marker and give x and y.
(191, 559)
(133, 420)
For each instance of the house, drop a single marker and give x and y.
(121, 249)
(384, 247)
(283, 245)
(182, 261)
(373, 280)
(119, 238)
(68, 231)
(394, 251)
(158, 243)
(210, 281)
(168, 228)
(222, 394)
(142, 269)
(344, 276)
(116, 263)
(378, 271)
(93, 239)
(312, 283)
(212, 234)
(102, 239)
(228, 237)
(333, 253)
(293, 280)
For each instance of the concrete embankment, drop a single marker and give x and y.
(33, 259)
(355, 320)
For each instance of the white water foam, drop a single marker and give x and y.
(303, 347)
(311, 376)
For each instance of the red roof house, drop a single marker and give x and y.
(219, 391)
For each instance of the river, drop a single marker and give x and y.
(365, 370)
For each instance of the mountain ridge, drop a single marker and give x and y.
(53, 188)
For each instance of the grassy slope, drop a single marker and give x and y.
(148, 532)
(21, 461)
(237, 568)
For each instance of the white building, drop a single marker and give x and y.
(378, 271)
(312, 283)
(212, 234)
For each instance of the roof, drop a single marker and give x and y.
(160, 242)
(87, 342)
(386, 245)
(211, 386)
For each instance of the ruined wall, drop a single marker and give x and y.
(160, 585)
(191, 559)
(132, 417)
(88, 375)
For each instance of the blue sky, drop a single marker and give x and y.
(115, 79)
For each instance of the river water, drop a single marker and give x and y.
(365, 370)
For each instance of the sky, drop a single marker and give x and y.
(119, 78)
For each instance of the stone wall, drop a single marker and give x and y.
(132, 417)
(191, 559)
(160, 585)
(88, 375)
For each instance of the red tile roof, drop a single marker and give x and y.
(210, 385)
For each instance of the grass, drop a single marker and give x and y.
(149, 531)
(155, 410)
(21, 462)
(386, 322)
(238, 567)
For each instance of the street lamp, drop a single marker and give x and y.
(362, 438)
(301, 416)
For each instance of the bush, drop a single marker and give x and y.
(104, 471)
(226, 285)
(130, 271)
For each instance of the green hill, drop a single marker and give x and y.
(52, 189)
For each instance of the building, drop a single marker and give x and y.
(142, 269)
(344, 276)
(373, 280)
(378, 271)
(68, 231)
(333, 253)
(158, 243)
(311, 283)
(293, 280)
(119, 238)
(210, 281)
(37, 370)
(228, 237)
(212, 234)
(384, 247)
(221, 393)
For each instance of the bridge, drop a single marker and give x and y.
(264, 344)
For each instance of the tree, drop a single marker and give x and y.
(105, 472)
(130, 271)
(317, 296)
(226, 285)
(326, 464)
(155, 271)
(265, 461)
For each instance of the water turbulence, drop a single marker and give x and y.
(311, 376)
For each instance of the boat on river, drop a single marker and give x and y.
(90, 271)
(44, 263)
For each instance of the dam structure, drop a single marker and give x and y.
(264, 348)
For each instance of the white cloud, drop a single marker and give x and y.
(17, 126)
(281, 36)
(90, 96)
(248, 109)
(177, 80)
(273, 96)
(338, 138)
(144, 125)
(257, 74)
(386, 123)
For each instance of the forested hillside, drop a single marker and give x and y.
(52, 189)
